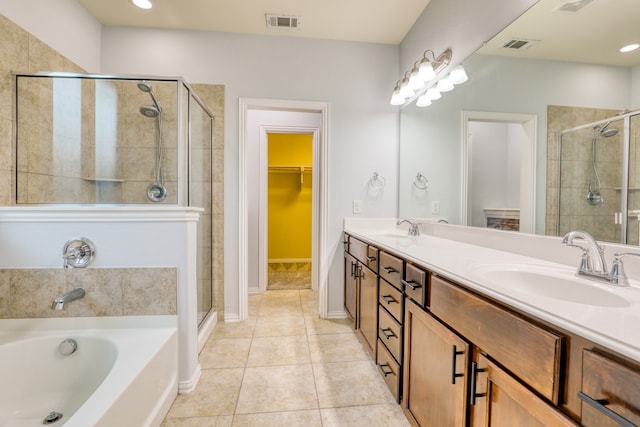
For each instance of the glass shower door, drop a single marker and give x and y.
(633, 197)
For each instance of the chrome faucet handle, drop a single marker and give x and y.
(413, 227)
(618, 276)
(585, 260)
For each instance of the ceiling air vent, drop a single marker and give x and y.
(283, 21)
(519, 44)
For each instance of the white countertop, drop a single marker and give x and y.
(613, 325)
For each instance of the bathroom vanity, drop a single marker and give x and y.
(468, 333)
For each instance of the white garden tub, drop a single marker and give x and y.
(123, 373)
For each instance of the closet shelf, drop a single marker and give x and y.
(301, 169)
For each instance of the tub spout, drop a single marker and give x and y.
(59, 302)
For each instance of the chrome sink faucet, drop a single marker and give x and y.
(592, 263)
(59, 302)
(413, 227)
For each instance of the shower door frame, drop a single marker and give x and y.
(624, 185)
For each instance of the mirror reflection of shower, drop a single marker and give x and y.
(156, 191)
(594, 197)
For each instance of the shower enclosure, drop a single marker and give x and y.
(88, 139)
(599, 172)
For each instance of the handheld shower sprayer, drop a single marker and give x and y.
(156, 191)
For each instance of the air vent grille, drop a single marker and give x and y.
(283, 21)
(519, 44)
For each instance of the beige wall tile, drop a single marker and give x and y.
(149, 291)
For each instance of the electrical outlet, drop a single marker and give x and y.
(357, 206)
(435, 207)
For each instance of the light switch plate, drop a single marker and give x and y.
(435, 207)
(357, 206)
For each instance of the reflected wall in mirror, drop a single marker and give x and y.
(570, 62)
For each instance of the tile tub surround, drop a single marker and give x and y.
(286, 367)
(28, 293)
(460, 253)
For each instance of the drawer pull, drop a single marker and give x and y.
(353, 269)
(385, 372)
(454, 355)
(359, 272)
(387, 332)
(413, 285)
(599, 404)
(371, 258)
(474, 373)
(388, 299)
(389, 270)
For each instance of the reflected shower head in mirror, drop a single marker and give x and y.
(603, 131)
(145, 87)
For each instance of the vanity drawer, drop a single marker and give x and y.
(606, 379)
(531, 353)
(391, 269)
(372, 258)
(389, 369)
(391, 299)
(390, 333)
(415, 284)
(358, 249)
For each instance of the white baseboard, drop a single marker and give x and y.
(204, 331)
(186, 387)
(340, 314)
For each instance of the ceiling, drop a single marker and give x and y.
(594, 34)
(373, 21)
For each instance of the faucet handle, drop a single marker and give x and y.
(618, 276)
(585, 260)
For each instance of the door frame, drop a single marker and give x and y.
(528, 162)
(263, 226)
(319, 240)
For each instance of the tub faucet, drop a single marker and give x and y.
(413, 227)
(59, 302)
(592, 262)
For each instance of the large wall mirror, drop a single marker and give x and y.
(544, 126)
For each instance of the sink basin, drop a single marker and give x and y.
(552, 283)
(392, 235)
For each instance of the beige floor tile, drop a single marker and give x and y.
(271, 351)
(308, 294)
(276, 389)
(387, 415)
(350, 384)
(316, 326)
(279, 419)
(225, 353)
(281, 295)
(276, 326)
(310, 307)
(328, 348)
(242, 329)
(221, 421)
(215, 394)
(279, 308)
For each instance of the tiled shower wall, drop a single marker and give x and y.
(20, 51)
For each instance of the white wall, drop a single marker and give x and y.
(62, 24)
(353, 78)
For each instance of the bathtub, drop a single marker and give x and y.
(123, 372)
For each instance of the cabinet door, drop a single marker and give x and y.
(435, 371)
(609, 392)
(351, 288)
(498, 399)
(368, 308)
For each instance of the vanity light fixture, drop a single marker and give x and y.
(458, 75)
(423, 71)
(423, 101)
(444, 85)
(396, 98)
(142, 4)
(406, 91)
(415, 79)
(629, 47)
(433, 93)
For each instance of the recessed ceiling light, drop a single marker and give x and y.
(142, 4)
(629, 47)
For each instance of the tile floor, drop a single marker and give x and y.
(286, 367)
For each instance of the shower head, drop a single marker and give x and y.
(149, 111)
(603, 131)
(146, 87)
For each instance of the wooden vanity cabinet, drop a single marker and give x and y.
(498, 399)
(610, 395)
(435, 376)
(351, 275)
(368, 318)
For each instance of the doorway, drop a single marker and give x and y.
(289, 211)
(499, 152)
(257, 118)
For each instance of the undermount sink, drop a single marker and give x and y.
(552, 283)
(400, 234)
